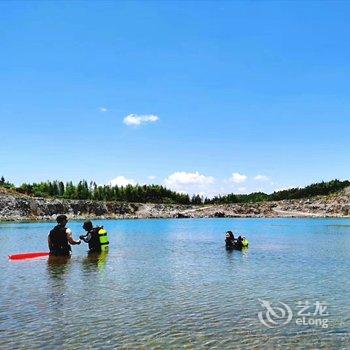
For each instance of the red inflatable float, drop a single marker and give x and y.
(26, 256)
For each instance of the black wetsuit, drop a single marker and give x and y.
(58, 241)
(93, 239)
(239, 243)
(229, 242)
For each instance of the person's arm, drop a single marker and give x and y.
(70, 238)
(86, 238)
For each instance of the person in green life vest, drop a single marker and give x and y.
(96, 237)
(60, 238)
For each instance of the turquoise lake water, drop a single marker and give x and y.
(171, 284)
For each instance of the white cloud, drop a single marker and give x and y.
(183, 178)
(182, 192)
(242, 190)
(261, 178)
(151, 177)
(238, 178)
(103, 109)
(191, 183)
(121, 181)
(285, 188)
(136, 120)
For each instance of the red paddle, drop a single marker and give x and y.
(25, 256)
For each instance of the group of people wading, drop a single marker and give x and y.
(60, 238)
(232, 243)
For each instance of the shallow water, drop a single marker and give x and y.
(172, 284)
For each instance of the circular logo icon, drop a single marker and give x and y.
(274, 316)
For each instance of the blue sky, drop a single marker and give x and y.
(229, 96)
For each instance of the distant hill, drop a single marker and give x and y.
(15, 206)
(159, 194)
(316, 189)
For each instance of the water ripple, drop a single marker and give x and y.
(170, 284)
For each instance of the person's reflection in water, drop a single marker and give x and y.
(58, 268)
(95, 261)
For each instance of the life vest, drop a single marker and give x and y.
(99, 240)
(58, 241)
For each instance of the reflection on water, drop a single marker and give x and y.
(57, 266)
(57, 270)
(95, 261)
(172, 284)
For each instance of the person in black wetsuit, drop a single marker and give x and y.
(239, 243)
(60, 238)
(92, 237)
(230, 240)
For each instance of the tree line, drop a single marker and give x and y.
(160, 194)
(92, 191)
(316, 189)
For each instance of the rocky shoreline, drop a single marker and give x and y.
(17, 207)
